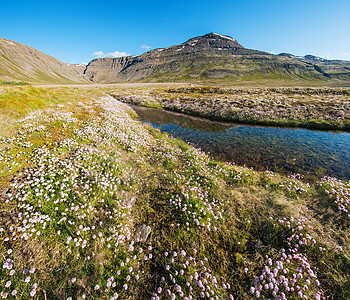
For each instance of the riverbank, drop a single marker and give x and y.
(96, 205)
(313, 153)
(314, 108)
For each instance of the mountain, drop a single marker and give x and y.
(215, 57)
(23, 63)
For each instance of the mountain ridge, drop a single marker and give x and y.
(24, 63)
(214, 56)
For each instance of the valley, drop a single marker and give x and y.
(200, 170)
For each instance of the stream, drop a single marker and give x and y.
(312, 153)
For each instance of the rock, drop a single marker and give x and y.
(131, 202)
(142, 232)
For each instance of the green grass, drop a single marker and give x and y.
(71, 171)
(4, 82)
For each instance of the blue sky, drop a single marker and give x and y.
(78, 31)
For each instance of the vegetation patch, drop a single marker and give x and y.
(318, 108)
(4, 82)
(79, 178)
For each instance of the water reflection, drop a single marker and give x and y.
(311, 153)
(160, 117)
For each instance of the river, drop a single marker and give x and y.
(312, 153)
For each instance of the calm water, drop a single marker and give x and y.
(311, 153)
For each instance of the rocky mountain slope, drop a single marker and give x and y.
(215, 57)
(23, 63)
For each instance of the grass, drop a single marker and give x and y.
(4, 82)
(317, 108)
(72, 160)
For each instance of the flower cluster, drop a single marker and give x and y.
(295, 186)
(338, 191)
(188, 277)
(289, 274)
(72, 201)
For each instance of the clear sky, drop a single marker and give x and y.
(76, 31)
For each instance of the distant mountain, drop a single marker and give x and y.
(23, 63)
(212, 57)
(219, 58)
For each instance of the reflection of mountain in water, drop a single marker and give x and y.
(313, 154)
(161, 117)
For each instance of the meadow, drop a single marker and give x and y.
(316, 108)
(79, 176)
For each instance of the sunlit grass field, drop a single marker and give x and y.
(79, 174)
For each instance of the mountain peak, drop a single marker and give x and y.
(215, 35)
(212, 56)
(214, 41)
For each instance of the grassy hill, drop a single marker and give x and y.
(80, 178)
(23, 63)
